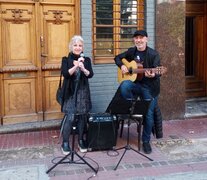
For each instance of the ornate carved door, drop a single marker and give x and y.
(34, 36)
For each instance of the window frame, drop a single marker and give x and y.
(117, 26)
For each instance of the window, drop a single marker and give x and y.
(114, 22)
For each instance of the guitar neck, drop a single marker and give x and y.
(142, 70)
(136, 71)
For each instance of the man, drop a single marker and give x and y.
(146, 88)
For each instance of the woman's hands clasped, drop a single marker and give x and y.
(79, 63)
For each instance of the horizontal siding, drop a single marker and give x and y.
(103, 86)
(150, 22)
(86, 26)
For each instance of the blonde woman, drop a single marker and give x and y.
(76, 69)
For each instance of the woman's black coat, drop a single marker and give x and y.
(69, 83)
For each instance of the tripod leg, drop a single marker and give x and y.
(141, 154)
(73, 142)
(85, 162)
(73, 152)
(59, 162)
(120, 158)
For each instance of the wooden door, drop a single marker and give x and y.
(196, 45)
(34, 37)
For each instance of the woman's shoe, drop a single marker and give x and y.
(65, 148)
(82, 146)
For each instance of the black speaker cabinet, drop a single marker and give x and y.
(102, 132)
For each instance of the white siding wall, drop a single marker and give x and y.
(150, 21)
(104, 83)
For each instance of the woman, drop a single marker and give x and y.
(76, 70)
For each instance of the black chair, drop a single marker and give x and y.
(122, 109)
(132, 110)
(156, 130)
(136, 118)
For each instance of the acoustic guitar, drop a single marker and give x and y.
(136, 71)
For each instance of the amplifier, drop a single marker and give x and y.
(102, 131)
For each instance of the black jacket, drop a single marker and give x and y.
(69, 82)
(152, 60)
(157, 129)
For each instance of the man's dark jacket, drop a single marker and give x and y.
(152, 60)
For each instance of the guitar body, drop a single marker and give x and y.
(128, 76)
(137, 71)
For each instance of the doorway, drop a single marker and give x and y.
(34, 38)
(195, 49)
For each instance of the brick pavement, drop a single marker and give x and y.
(41, 149)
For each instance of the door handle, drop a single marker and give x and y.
(42, 45)
(44, 55)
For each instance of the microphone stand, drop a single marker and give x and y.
(73, 152)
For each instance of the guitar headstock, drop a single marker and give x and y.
(161, 70)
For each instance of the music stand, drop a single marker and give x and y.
(134, 109)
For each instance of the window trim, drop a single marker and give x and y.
(141, 5)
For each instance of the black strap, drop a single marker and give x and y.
(60, 82)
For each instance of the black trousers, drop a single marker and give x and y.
(78, 121)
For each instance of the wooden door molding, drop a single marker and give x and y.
(1, 98)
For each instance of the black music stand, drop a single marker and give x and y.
(73, 152)
(134, 109)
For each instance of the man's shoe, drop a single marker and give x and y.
(65, 148)
(82, 146)
(147, 148)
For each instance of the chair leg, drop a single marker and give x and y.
(139, 130)
(122, 126)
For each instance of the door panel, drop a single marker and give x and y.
(58, 27)
(34, 37)
(51, 85)
(20, 98)
(18, 33)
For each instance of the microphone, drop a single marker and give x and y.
(82, 55)
(79, 71)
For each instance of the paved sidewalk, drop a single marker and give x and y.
(181, 154)
(34, 172)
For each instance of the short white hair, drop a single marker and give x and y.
(75, 39)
